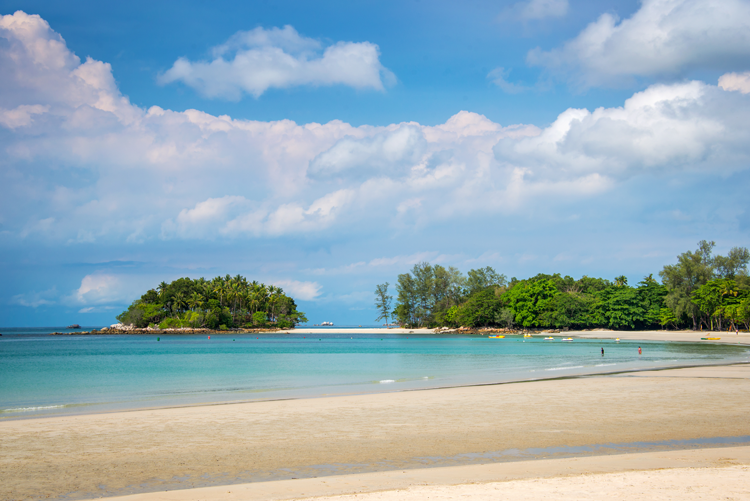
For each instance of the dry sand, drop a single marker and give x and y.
(659, 335)
(682, 336)
(155, 450)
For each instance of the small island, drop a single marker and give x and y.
(221, 304)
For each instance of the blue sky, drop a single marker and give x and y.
(328, 146)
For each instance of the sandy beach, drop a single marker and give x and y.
(161, 450)
(657, 335)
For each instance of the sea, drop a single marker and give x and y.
(43, 375)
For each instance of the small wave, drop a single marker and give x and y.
(29, 409)
(603, 365)
(387, 381)
(564, 368)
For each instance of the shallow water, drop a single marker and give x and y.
(44, 375)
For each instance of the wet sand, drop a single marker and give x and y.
(156, 450)
(692, 474)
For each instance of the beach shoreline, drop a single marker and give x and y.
(204, 446)
(518, 480)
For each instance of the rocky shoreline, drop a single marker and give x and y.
(119, 329)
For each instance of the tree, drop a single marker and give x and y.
(618, 307)
(383, 302)
(482, 278)
(529, 300)
(651, 295)
(406, 306)
(568, 309)
(733, 264)
(692, 270)
(482, 308)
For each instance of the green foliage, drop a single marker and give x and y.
(480, 309)
(618, 307)
(667, 318)
(701, 288)
(571, 309)
(528, 300)
(226, 301)
(260, 318)
(383, 302)
(482, 278)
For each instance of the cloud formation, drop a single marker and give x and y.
(663, 38)
(82, 164)
(499, 76)
(306, 291)
(736, 81)
(251, 62)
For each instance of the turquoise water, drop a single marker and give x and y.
(52, 375)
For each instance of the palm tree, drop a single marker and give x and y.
(196, 300)
(179, 301)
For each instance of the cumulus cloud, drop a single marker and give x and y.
(306, 291)
(682, 127)
(251, 62)
(663, 38)
(736, 81)
(389, 153)
(97, 289)
(81, 164)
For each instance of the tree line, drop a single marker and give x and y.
(701, 290)
(220, 303)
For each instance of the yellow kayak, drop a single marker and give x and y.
(711, 338)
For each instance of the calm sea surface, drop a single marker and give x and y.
(44, 375)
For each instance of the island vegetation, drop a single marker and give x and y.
(221, 303)
(701, 290)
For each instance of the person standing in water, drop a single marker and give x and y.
(639, 350)
(602, 351)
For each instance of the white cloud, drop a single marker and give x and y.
(306, 291)
(736, 81)
(663, 38)
(117, 173)
(388, 153)
(499, 75)
(35, 299)
(688, 126)
(101, 289)
(97, 289)
(254, 61)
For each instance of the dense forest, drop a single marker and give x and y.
(701, 290)
(221, 303)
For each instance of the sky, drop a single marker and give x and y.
(328, 146)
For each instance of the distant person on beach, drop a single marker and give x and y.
(602, 351)
(639, 350)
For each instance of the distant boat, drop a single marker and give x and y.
(74, 326)
(567, 339)
(327, 323)
(550, 338)
(497, 337)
